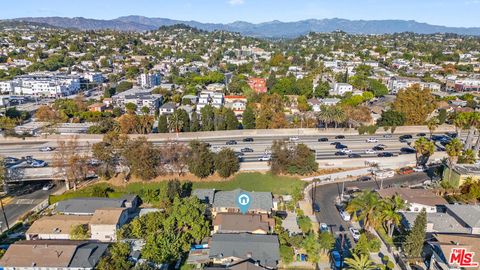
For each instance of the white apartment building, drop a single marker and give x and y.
(210, 98)
(148, 80)
(45, 84)
(6, 87)
(339, 89)
(396, 84)
(94, 77)
(463, 84)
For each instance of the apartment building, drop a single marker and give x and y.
(148, 80)
(396, 84)
(210, 98)
(43, 84)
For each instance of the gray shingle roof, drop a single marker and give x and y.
(261, 248)
(87, 206)
(88, 255)
(228, 199)
(204, 195)
(442, 222)
(470, 214)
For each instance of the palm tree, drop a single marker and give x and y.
(460, 122)
(366, 208)
(175, 123)
(454, 150)
(473, 121)
(389, 213)
(432, 125)
(424, 149)
(361, 262)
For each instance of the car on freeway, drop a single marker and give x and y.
(323, 139)
(387, 136)
(207, 144)
(239, 154)
(355, 233)
(324, 227)
(38, 164)
(405, 171)
(353, 155)
(10, 160)
(340, 153)
(316, 207)
(336, 258)
(47, 149)
(385, 154)
(372, 140)
(339, 137)
(293, 139)
(246, 150)
(421, 134)
(346, 150)
(420, 169)
(249, 139)
(345, 215)
(265, 158)
(452, 135)
(340, 146)
(231, 142)
(405, 137)
(407, 150)
(48, 186)
(335, 143)
(378, 148)
(364, 178)
(370, 151)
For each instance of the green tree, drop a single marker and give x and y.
(416, 104)
(208, 118)
(392, 118)
(131, 108)
(423, 149)
(322, 90)
(80, 232)
(361, 262)
(226, 163)
(231, 120)
(432, 125)
(116, 258)
(163, 124)
(442, 116)
(366, 208)
(413, 245)
(201, 160)
(286, 254)
(467, 157)
(248, 120)
(123, 86)
(305, 224)
(194, 123)
(454, 150)
(312, 247)
(326, 241)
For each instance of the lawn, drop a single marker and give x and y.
(246, 181)
(256, 182)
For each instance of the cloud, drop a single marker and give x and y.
(236, 2)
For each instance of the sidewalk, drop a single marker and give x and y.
(377, 257)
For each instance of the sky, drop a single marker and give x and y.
(462, 13)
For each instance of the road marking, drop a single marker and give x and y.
(27, 201)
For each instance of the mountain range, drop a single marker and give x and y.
(273, 29)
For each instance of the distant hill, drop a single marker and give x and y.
(273, 29)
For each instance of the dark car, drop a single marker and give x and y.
(281, 214)
(339, 137)
(452, 135)
(406, 150)
(249, 139)
(378, 148)
(421, 134)
(337, 262)
(405, 137)
(354, 156)
(335, 143)
(323, 140)
(385, 154)
(364, 178)
(316, 207)
(340, 153)
(231, 142)
(340, 146)
(208, 144)
(246, 150)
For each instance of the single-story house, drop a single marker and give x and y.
(105, 222)
(417, 199)
(239, 223)
(226, 202)
(88, 206)
(55, 227)
(449, 251)
(467, 215)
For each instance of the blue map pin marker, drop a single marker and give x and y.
(243, 202)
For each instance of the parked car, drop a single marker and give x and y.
(355, 233)
(48, 186)
(323, 140)
(364, 178)
(337, 262)
(370, 151)
(354, 156)
(385, 154)
(246, 150)
(345, 215)
(316, 207)
(339, 137)
(231, 142)
(372, 140)
(47, 149)
(265, 158)
(249, 139)
(405, 171)
(324, 227)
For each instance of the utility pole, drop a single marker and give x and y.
(4, 215)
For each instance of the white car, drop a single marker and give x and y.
(355, 234)
(346, 151)
(47, 149)
(38, 164)
(345, 216)
(384, 174)
(419, 169)
(293, 139)
(48, 186)
(372, 140)
(370, 151)
(265, 158)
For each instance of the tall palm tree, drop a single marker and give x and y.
(366, 208)
(175, 123)
(361, 262)
(424, 149)
(432, 125)
(454, 150)
(390, 212)
(460, 121)
(473, 121)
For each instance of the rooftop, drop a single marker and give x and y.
(58, 224)
(233, 222)
(440, 222)
(87, 206)
(420, 196)
(107, 216)
(470, 214)
(259, 200)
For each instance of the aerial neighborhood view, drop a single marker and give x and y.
(240, 134)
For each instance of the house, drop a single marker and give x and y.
(258, 85)
(225, 202)
(97, 107)
(417, 199)
(204, 195)
(214, 99)
(88, 206)
(461, 173)
(140, 97)
(439, 222)
(53, 254)
(329, 101)
(454, 251)
(236, 103)
(467, 215)
(105, 222)
(55, 227)
(226, 249)
(215, 87)
(239, 223)
(339, 89)
(168, 108)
